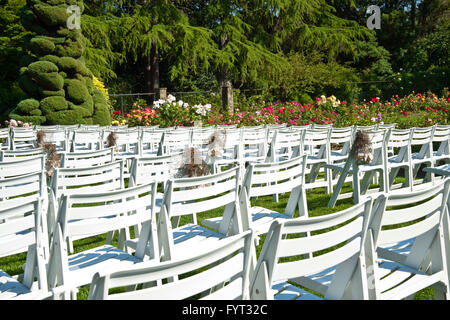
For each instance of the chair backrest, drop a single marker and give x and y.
(150, 141)
(89, 126)
(13, 155)
(341, 139)
(316, 141)
(128, 141)
(85, 215)
(201, 137)
(423, 137)
(399, 144)
(399, 138)
(25, 185)
(87, 158)
(286, 144)
(379, 140)
(407, 215)
(157, 168)
(386, 126)
(23, 229)
(441, 136)
(271, 128)
(5, 143)
(263, 179)
(365, 128)
(58, 137)
(254, 144)
(315, 239)
(420, 217)
(224, 275)
(86, 180)
(23, 138)
(190, 196)
(22, 167)
(88, 140)
(175, 141)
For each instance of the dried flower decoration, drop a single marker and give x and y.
(216, 145)
(40, 135)
(53, 159)
(362, 148)
(194, 166)
(112, 141)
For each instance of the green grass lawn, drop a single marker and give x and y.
(317, 205)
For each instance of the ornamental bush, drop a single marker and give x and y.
(54, 75)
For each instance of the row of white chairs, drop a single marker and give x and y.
(326, 146)
(372, 261)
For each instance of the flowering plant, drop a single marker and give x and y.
(13, 123)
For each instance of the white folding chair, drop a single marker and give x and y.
(22, 225)
(5, 142)
(23, 138)
(409, 247)
(83, 159)
(150, 141)
(441, 144)
(340, 145)
(422, 138)
(87, 180)
(400, 144)
(157, 168)
(263, 179)
(306, 259)
(86, 140)
(83, 215)
(58, 137)
(189, 197)
(286, 144)
(9, 169)
(175, 141)
(254, 145)
(350, 167)
(232, 150)
(13, 155)
(317, 147)
(224, 275)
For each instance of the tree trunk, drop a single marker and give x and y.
(152, 73)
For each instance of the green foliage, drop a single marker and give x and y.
(53, 105)
(55, 75)
(76, 91)
(42, 46)
(28, 105)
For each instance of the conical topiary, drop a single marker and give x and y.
(54, 76)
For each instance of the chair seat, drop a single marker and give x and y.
(398, 281)
(191, 237)
(287, 291)
(337, 156)
(11, 288)
(362, 167)
(85, 264)
(440, 156)
(261, 219)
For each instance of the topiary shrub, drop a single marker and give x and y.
(42, 46)
(53, 104)
(28, 105)
(55, 76)
(76, 91)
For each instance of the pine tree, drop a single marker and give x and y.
(54, 76)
